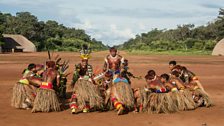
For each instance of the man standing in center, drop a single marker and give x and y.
(113, 61)
(121, 94)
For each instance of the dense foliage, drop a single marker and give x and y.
(184, 38)
(46, 35)
(52, 35)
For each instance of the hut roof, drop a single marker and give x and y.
(219, 48)
(18, 42)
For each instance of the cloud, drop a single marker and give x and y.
(110, 34)
(115, 21)
(85, 25)
(24, 3)
(150, 12)
(121, 33)
(212, 6)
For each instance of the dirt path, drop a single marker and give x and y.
(209, 69)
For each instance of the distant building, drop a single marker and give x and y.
(219, 48)
(17, 43)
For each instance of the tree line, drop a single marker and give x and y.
(185, 37)
(46, 35)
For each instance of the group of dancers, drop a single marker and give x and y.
(42, 87)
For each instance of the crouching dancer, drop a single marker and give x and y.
(180, 95)
(46, 99)
(159, 101)
(121, 94)
(24, 92)
(200, 96)
(86, 96)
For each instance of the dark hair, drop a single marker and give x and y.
(31, 66)
(113, 49)
(150, 75)
(165, 76)
(175, 73)
(173, 62)
(147, 77)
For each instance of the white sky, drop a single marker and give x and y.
(116, 21)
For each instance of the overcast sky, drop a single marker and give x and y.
(116, 21)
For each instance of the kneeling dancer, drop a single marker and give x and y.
(159, 101)
(24, 92)
(180, 95)
(86, 96)
(121, 94)
(46, 99)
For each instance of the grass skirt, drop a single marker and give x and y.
(46, 101)
(18, 95)
(142, 100)
(124, 94)
(183, 100)
(207, 102)
(160, 103)
(88, 94)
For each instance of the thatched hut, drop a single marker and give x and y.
(17, 43)
(219, 48)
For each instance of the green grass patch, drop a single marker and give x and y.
(169, 52)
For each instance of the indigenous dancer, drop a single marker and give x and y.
(104, 85)
(125, 73)
(113, 62)
(181, 96)
(46, 99)
(122, 95)
(85, 95)
(159, 101)
(201, 97)
(83, 66)
(164, 78)
(24, 92)
(172, 64)
(186, 75)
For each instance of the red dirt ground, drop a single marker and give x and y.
(210, 70)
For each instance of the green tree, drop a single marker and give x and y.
(45, 35)
(2, 21)
(220, 24)
(185, 37)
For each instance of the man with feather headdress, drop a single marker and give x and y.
(86, 95)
